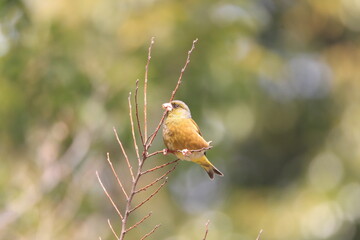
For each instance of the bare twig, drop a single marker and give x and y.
(112, 229)
(139, 222)
(125, 155)
(145, 86)
(117, 177)
(258, 237)
(153, 135)
(109, 197)
(129, 201)
(158, 167)
(198, 150)
(155, 153)
(206, 229)
(137, 112)
(183, 69)
(170, 151)
(151, 196)
(133, 129)
(156, 180)
(151, 232)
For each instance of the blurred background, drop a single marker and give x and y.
(275, 84)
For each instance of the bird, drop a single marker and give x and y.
(182, 136)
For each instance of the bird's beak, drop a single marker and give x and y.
(167, 106)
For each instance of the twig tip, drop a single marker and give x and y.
(258, 237)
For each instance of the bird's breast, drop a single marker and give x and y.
(180, 134)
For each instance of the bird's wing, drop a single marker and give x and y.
(192, 135)
(196, 126)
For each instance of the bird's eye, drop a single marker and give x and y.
(175, 105)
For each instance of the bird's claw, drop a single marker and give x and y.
(186, 152)
(167, 106)
(165, 151)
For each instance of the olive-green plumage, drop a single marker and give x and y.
(181, 132)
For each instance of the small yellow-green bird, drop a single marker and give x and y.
(181, 134)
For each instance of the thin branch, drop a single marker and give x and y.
(158, 167)
(188, 150)
(156, 180)
(117, 177)
(139, 222)
(258, 237)
(152, 136)
(108, 195)
(164, 151)
(155, 153)
(125, 155)
(145, 86)
(129, 201)
(137, 112)
(133, 129)
(151, 232)
(206, 229)
(151, 196)
(183, 69)
(112, 229)
(198, 150)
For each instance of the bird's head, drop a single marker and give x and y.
(177, 109)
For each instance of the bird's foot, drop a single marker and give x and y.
(167, 106)
(186, 152)
(165, 151)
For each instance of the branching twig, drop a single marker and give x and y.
(117, 177)
(155, 153)
(109, 197)
(151, 232)
(156, 180)
(125, 155)
(139, 222)
(151, 196)
(159, 167)
(170, 151)
(146, 144)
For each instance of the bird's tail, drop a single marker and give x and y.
(207, 166)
